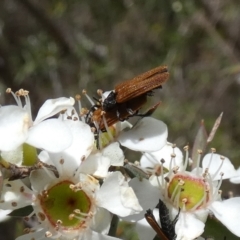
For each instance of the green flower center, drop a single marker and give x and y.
(187, 192)
(60, 204)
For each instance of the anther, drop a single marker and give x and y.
(26, 219)
(41, 216)
(59, 222)
(167, 179)
(199, 151)
(78, 97)
(100, 92)
(27, 230)
(71, 216)
(175, 169)
(213, 150)
(186, 148)
(48, 234)
(8, 90)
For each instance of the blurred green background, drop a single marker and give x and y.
(57, 48)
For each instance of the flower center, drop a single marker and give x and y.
(60, 204)
(187, 192)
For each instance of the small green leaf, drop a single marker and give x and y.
(21, 212)
(217, 230)
(29, 155)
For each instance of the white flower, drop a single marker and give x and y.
(197, 193)
(17, 126)
(74, 205)
(71, 207)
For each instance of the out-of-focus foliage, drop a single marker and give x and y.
(57, 48)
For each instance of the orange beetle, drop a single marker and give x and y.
(128, 97)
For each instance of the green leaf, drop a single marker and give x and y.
(217, 230)
(21, 212)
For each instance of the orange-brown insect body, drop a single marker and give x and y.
(141, 84)
(129, 96)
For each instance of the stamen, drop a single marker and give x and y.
(17, 99)
(177, 189)
(175, 169)
(78, 99)
(27, 230)
(184, 201)
(164, 186)
(219, 168)
(41, 216)
(176, 198)
(107, 128)
(219, 184)
(162, 171)
(84, 92)
(198, 162)
(202, 200)
(28, 104)
(100, 92)
(211, 157)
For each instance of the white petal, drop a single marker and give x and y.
(14, 156)
(114, 153)
(214, 161)
(115, 196)
(11, 193)
(148, 135)
(14, 123)
(188, 227)
(82, 141)
(228, 212)
(91, 235)
(4, 215)
(148, 197)
(81, 146)
(96, 164)
(40, 180)
(44, 157)
(152, 158)
(52, 107)
(236, 180)
(99, 162)
(52, 135)
(101, 221)
(34, 235)
(143, 228)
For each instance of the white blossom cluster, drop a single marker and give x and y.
(76, 185)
